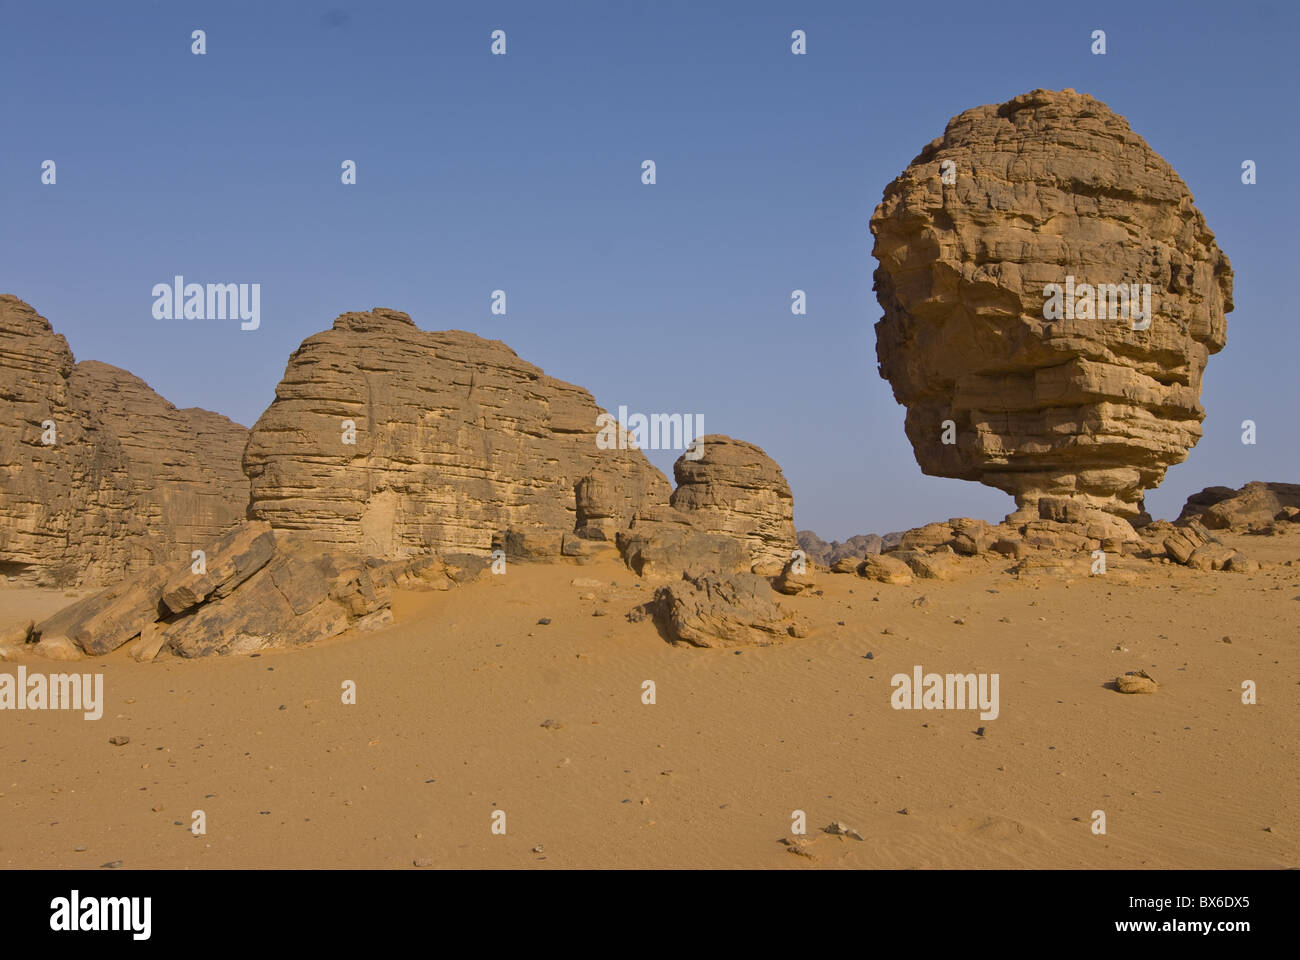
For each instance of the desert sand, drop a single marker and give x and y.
(467, 705)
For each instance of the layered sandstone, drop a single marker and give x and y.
(128, 479)
(458, 443)
(1045, 187)
(736, 490)
(1253, 508)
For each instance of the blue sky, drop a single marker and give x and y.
(522, 173)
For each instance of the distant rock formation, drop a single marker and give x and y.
(126, 479)
(828, 554)
(1047, 188)
(1252, 509)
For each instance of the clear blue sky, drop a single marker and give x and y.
(522, 173)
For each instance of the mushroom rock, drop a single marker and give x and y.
(1067, 391)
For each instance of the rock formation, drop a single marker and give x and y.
(388, 441)
(126, 479)
(829, 554)
(721, 610)
(732, 511)
(258, 589)
(1255, 508)
(454, 442)
(1047, 188)
(736, 490)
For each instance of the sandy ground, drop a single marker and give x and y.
(452, 700)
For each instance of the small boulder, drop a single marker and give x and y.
(795, 577)
(885, 568)
(1136, 681)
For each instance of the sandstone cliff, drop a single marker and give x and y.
(99, 476)
(454, 441)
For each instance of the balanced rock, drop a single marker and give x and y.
(1088, 403)
(101, 478)
(396, 441)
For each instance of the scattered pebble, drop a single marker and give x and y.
(119, 741)
(111, 865)
(545, 621)
(423, 861)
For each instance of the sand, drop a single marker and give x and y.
(467, 705)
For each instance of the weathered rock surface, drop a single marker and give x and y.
(1250, 509)
(736, 490)
(828, 554)
(1047, 186)
(886, 568)
(1136, 681)
(795, 577)
(457, 440)
(261, 589)
(663, 542)
(130, 480)
(1191, 543)
(302, 594)
(229, 562)
(722, 610)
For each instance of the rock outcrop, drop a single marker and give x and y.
(736, 490)
(721, 610)
(393, 441)
(1047, 188)
(829, 554)
(257, 589)
(100, 478)
(1255, 508)
(731, 511)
